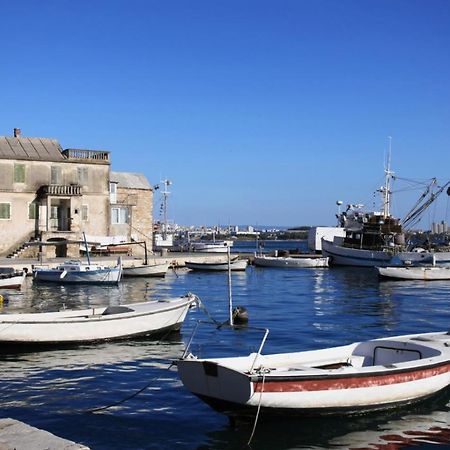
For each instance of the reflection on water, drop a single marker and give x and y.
(304, 309)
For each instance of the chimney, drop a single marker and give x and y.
(16, 132)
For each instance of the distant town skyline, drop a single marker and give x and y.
(259, 112)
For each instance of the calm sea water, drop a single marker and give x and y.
(304, 309)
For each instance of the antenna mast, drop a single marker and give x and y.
(387, 183)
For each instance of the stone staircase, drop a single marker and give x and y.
(25, 250)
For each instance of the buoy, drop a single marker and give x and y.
(240, 315)
(1, 299)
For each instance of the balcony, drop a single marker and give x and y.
(98, 156)
(66, 190)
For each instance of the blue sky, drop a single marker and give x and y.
(260, 112)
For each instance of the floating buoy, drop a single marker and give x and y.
(1, 299)
(240, 315)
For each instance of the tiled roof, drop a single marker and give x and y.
(36, 149)
(130, 180)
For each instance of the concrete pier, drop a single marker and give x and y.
(15, 435)
(176, 259)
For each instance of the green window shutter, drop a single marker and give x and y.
(33, 211)
(5, 210)
(19, 173)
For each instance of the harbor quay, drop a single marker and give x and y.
(176, 260)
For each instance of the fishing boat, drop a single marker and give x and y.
(76, 272)
(290, 261)
(11, 278)
(375, 238)
(146, 269)
(425, 273)
(363, 376)
(95, 324)
(219, 265)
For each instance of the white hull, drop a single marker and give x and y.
(211, 247)
(13, 281)
(415, 273)
(280, 261)
(71, 326)
(149, 270)
(236, 265)
(376, 374)
(74, 272)
(346, 256)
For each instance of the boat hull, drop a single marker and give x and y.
(346, 256)
(290, 262)
(407, 370)
(237, 265)
(109, 275)
(12, 282)
(415, 273)
(72, 327)
(151, 270)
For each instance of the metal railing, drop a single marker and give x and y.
(86, 154)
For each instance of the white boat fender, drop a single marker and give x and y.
(240, 315)
(63, 274)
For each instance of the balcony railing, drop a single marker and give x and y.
(97, 155)
(61, 189)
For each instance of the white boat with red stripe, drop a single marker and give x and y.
(363, 376)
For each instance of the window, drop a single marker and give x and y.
(5, 210)
(83, 176)
(84, 212)
(113, 192)
(33, 210)
(119, 215)
(19, 173)
(56, 175)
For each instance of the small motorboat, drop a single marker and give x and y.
(219, 265)
(290, 261)
(11, 278)
(95, 324)
(363, 376)
(425, 273)
(76, 272)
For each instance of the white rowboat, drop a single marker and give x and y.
(235, 265)
(290, 261)
(371, 375)
(12, 279)
(147, 270)
(95, 324)
(426, 273)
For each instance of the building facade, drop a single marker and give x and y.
(53, 195)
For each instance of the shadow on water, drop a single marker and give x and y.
(427, 422)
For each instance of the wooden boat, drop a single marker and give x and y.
(147, 270)
(235, 265)
(95, 324)
(11, 278)
(363, 376)
(76, 272)
(290, 261)
(426, 273)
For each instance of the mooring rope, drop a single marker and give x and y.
(259, 405)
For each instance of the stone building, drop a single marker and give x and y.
(54, 195)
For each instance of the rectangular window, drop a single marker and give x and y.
(84, 212)
(113, 193)
(53, 212)
(56, 175)
(5, 210)
(83, 176)
(33, 210)
(119, 215)
(19, 173)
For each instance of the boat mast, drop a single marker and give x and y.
(386, 191)
(165, 193)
